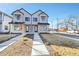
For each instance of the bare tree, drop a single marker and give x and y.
(57, 24)
(69, 22)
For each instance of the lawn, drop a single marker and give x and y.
(23, 47)
(60, 46)
(5, 37)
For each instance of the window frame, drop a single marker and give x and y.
(18, 18)
(43, 19)
(28, 18)
(35, 19)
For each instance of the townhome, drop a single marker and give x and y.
(20, 20)
(4, 22)
(40, 21)
(23, 21)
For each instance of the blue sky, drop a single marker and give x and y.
(52, 9)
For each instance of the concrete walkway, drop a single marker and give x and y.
(9, 42)
(38, 48)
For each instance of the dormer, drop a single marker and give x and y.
(42, 16)
(27, 16)
(18, 16)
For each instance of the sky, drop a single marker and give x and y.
(54, 10)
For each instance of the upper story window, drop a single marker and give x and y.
(43, 18)
(17, 16)
(27, 18)
(35, 19)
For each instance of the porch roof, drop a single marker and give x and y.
(16, 11)
(16, 22)
(44, 23)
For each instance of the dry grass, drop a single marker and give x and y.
(60, 46)
(64, 51)
(21, 48)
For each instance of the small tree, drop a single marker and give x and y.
(72, 20)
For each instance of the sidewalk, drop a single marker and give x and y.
(9, 42)
(38, 48)
(65, 33)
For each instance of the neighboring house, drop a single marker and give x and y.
(4, 22)
(23, 21)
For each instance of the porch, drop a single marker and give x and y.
(17, 27)
(31, 28)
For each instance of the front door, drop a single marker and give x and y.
(32, 28)
(29, 28)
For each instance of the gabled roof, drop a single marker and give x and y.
(21, 11)
(41, 12)
(25, 10)
(16, 11)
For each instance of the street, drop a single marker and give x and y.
(68, 35)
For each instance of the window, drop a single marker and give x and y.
(6, 27)
(35, 19)
(27, 19)
(16, 27)
(43, 18)
(17, 16)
